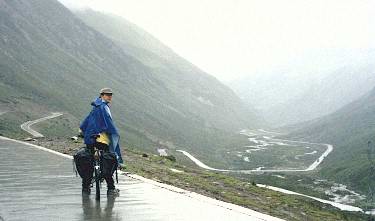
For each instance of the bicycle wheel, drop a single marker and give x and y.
(97, 182)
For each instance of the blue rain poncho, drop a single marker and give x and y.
(98, 121)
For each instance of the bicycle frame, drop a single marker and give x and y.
(98, 168)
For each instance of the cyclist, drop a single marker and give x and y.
(98, 129)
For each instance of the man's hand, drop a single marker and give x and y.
(121, 166)
(80, 133)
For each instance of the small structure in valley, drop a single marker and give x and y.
(162, 152)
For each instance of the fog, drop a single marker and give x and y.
(231, 39)
(291, 60)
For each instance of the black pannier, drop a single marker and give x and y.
(109, 164)
(83, 160)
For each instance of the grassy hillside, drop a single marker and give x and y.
(349, 130)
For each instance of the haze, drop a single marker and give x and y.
(231, 39)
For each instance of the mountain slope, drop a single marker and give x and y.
(167, 65)
(51, 60)
(331, 93)
(349, 129)
(296, 94)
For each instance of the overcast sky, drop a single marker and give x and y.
(234, 38)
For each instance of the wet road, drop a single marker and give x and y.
(39, 185)
(27, 125)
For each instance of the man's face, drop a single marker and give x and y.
(107, 97)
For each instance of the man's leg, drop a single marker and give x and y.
(86, 184)
(110, 182)
(111, 189)
(110, 164)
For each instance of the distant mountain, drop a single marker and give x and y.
(290, 96)
(348, 129)
(268, 89)
(51, 60)
(326, 95)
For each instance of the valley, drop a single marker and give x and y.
(290, 165)
(265, 153)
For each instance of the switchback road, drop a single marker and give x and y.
(26, 126)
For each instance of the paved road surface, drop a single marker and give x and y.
(39, 185)
(27, 125)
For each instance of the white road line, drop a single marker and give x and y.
(26, 126)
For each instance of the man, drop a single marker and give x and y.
(98, 129)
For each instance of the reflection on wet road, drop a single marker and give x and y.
(38, 185)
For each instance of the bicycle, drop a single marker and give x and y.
(98, 150)
(96, 162)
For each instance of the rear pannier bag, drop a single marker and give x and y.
(83, 160)
(109, 164)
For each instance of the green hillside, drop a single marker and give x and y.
(349, 130)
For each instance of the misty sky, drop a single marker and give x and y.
(234, 38)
